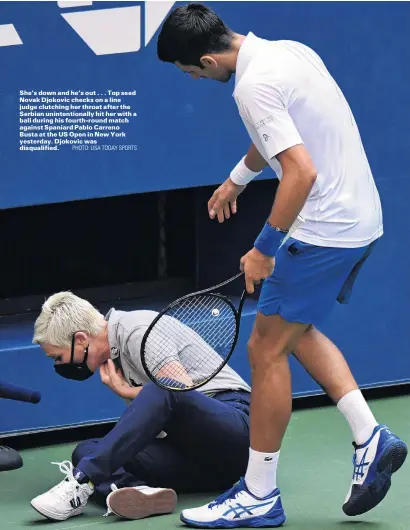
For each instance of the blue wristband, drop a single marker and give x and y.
(269, 240)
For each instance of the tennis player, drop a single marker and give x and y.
(165, 442)
(323, 226)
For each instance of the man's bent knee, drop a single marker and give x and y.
(272, 338)
(262, 352)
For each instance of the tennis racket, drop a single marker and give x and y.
(192, 339)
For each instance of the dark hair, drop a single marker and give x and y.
(191, 31)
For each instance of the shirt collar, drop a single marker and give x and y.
(245, 54)
(112, 317)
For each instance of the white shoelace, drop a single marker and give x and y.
(109, 511)
(67, 488)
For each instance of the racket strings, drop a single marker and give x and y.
(170, 332)
(191, 341)
(197, 319)
(217, 330)
(191, 308)
(189, 313)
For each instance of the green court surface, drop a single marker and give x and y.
(314, 474)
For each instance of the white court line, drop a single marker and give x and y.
(60, 527)
(78, 526)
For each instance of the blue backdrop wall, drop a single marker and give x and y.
(189, 135)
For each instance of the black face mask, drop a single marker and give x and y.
(71, 370)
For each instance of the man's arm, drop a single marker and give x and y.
(254, 160)
(299, 175)
(267, 111)
(223, 201)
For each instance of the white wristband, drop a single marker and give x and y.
(241, 174)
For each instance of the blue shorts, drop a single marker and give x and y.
(308, 280)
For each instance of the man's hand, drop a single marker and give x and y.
(257, 267)
(223, 201)
(113, 378)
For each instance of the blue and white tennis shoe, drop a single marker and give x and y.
(237, 508)
(374, 462)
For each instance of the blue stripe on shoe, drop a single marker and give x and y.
(390, 455)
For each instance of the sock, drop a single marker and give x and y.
(81, 477)
(358, 415)
(260, 476)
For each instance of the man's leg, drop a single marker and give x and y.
(271, 342)
(327, 366)
(255, 501)
(325, 363)
(378, 452)
(306, 282)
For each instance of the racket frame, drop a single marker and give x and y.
(209, 290)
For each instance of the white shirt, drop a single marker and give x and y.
(286, 96)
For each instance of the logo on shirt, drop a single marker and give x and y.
(266, 137)
(264, 122)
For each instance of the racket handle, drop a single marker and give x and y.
(18, 393)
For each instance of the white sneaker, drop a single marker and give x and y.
(66, 499)
(140, 501)
(374, 463)
(237, 508)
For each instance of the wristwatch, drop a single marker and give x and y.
(276, 228)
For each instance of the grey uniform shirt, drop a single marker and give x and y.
(125, 332)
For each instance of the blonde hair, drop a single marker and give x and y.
(62, 315)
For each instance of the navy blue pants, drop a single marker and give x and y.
(206, 447)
